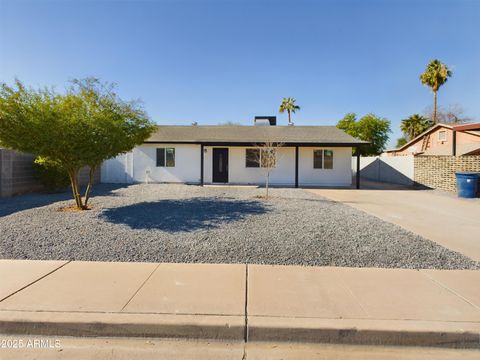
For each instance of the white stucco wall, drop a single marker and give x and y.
(238, 173)
(118, 170)
(340, 175)
(140, 166)
(186, 169)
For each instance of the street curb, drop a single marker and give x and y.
(122, 325)
(232, 328)
(366, 332)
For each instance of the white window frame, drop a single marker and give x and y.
(323, 159)
(165, 150)
(442, 133)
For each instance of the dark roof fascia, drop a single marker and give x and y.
(289, 144)
(466, 127)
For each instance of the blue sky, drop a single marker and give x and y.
(217, 61)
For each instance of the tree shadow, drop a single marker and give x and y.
(17, 203)
(184, 215)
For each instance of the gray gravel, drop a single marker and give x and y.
(181, 223)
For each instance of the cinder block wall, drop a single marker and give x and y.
(438, 172)
(17, 175)
(84, 174)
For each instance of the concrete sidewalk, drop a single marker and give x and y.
(447, 220)
(241, 303)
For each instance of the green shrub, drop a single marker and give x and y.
(52, 176)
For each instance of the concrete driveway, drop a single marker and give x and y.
(443, 218)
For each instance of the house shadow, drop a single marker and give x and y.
(379, 170)
(17, 203)
(378, 175)
(184, 215)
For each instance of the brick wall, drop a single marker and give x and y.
(17, 175)
(438, 172)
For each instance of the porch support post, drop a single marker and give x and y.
(357, 175)
(296, 166)
(201, 164)
(454, 143)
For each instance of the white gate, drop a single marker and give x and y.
(118, 170)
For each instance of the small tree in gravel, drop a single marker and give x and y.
(267, 157)
(83, 127)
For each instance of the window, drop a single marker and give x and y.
(251, 158)
(328, 159)
(323, 159)
(442, 136)
(317, 159)
(166, 157)
(269, 158)
(160, 157)
(264, 158)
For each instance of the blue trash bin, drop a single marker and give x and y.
(467, 183)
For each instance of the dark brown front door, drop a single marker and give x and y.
(220, 165)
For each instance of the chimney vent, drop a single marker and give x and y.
(265, 120)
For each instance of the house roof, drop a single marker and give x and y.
(313, 135)
(466, 127)
(414, 140)
(473, 129)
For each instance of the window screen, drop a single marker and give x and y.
(170, 157)
(328, 159)
(161, 157)
(252, 158)
(442, 136)
(323, 159)
(317, 159)
(166, 157)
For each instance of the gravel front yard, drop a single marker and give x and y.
(181, 223)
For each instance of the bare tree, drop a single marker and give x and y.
(454, 114)
(266, 155)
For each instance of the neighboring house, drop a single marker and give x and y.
(309, 155)
(443, 139)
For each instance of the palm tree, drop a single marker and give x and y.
(435, 75)
(288, 105)
(401, 141)
(414, 125)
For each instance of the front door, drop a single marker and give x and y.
(220, 165)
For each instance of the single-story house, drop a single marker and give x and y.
(308, 156)
(443, 139)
